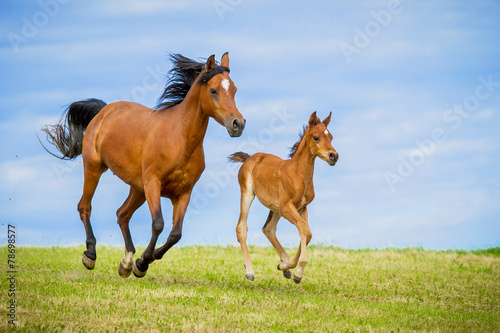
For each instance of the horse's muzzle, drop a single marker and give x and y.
(333, 157)
(237, 127)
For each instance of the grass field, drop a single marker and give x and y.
(199, 289)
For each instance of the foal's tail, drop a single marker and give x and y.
(67, 135)
(238, 157)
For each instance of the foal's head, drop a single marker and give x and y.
(217, 95)
(319, 139)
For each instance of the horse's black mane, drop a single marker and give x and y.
(182, 76)
(294, 148)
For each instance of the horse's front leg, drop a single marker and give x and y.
(180, 205)
(302, 224)
(152, 190)
(269, 230)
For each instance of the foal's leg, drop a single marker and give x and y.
(134, 200)
(291, 214)
(269, 230)
(180, 205)
(92, 173)
(152, 189)
(295, 259)
(247, 197)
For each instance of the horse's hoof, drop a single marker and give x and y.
(250, 276)
(124, 272)
(287, 274)
(137, 272)
(87, 262)
(296, 279)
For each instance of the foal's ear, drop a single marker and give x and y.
(225, 60)
(210, 63)
(327, 119)
(313, 119)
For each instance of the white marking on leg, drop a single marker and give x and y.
(225, 85)
(128, 260)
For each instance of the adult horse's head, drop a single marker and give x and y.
(217, 95)
(214, 90)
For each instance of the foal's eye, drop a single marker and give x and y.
(316, 138)
(213, 91)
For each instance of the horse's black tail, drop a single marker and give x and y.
(238, 157)
(67, 135)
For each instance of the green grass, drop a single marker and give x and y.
(199, 289)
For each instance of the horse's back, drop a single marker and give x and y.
(117, 117)
(259, 164)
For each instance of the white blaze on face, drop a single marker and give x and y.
(326, 132)
(225, 85)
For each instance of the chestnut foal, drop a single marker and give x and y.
(286, 188)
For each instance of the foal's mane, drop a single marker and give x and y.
(181, 77)
(294, 148)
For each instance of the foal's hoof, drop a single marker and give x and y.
(87, 262)
(137, 272)
(287, 274)
(296, 279)
(250, 276)
(124, 272)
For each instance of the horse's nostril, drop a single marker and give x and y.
(236, 124)
(333, 157)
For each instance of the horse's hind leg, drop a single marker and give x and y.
(269, 230)
(92, 174)
(247, 197)
(134, 200)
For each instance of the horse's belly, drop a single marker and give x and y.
(270, 203)
(268, 194)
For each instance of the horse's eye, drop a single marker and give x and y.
(316, 138)
(213, 91)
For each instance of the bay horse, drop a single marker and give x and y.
(158, 152)
(286, 188)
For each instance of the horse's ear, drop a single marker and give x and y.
(225, 60)
(327, 119)
(313, 119)
(210, 63)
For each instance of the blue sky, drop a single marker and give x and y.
(414, 89)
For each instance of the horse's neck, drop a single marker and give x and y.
(194, 120)
(304, 161)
